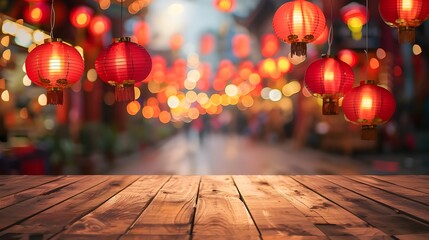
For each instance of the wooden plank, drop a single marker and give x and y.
(384, 218)
(220, 212)
(272, 213)
(37, 190)
(49, 222)
(409, 207)
(115, 216)
(413, 237)
(25, 209)
(20, 183)
(156, 237)
(413, 195)
(172, 210)
(412, 182)
(235, 237)
(336, 220)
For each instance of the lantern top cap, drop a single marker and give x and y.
(122, 39)
(369, 81)
(48, 40)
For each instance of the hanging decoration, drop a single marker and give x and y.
(329, 78)
(348, 56)
(355, 16)
(54, 65)
(81, 16)
(405, 15)
(123, 64)
(299, 22)
(368, 105)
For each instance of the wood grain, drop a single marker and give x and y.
(172, 210)
(272, 213)
(116, 215)
(384, 218)
(411, 182)
(220, 212)
(49, 222)
(21, 183)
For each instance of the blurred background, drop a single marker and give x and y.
(222, 97)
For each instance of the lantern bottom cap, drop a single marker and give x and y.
(124, 93)
(298, 49)
(369, 132)
(330, 106)
(54, 96)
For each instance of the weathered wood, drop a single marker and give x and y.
(272, 213)
(172, 210)
(413, 195)
(378, 215)
(25, 209)
(37, 190)
(20, 183)
(411, 182)
(336, 220)
(49, 222)
(220, 212)
(409, 207)
(155, 237)
(116, 215)
(413, 237)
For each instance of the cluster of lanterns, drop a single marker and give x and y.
(55, 65)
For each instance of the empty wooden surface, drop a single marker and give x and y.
(214, 207)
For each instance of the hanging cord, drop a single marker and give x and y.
(52, 19)
(121, 18)
(366, 41)
(330, 34)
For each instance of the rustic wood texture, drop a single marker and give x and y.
(214, 207)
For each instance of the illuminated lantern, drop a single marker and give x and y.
(81, 16)
(348, 56)
(224, 5)
(323, 38)
(241, 45)
(123, 64)
(99, 25)
(54, 65)
(269, 45)
(299, 22)
(368, 105)
(329, 78)
(354, 15)
(406, 15)
(37, 13)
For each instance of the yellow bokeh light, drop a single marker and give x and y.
(91, 75)
(191, 96)
(194, 75)
(133, 107)
(5, 41)
(148, 112)
(231, 90)
(215, 99)
(374, 63)
(247, 101)
(153, 87)
(189, 85)
(82, 19)
(137, 93)
(254, 79)
(202, 98)
(417, 49)
(193, 113)
(291, 88)
(42, 100)
(26, 80)
(5, 96)
(164, 117)
(173, 102)
(381, 54)
(7, 54)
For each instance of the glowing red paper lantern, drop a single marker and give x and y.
(329, 78)
(54, 65)
(37, 13)
(368, 105)
(81, 16)
(348, 56)
(123, 64)
(299, 22)
(99, 25)
(224, 5)
(405, 15)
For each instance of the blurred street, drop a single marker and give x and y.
(236, 154)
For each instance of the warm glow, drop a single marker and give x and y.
(55, 65)
(254, 79)
(38, 36)
(291, 88)
(381, 54)
(164, 117)
(26, 81)
(297, 19)
(137, 93)
(133, 107)
(295, 59)
(283, 64)
(5, 41)
(348, 56)
(36, 14)
(275, 95)
(231, 90)
(366, 103)
(5, 96)
(7, 54)
(91, 75)
(374, 63)
(406, 5)
(224, 5)
(42, 100)
(82, 19)
(148, 112)
(417, 49)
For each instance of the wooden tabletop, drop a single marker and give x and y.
(214, 207)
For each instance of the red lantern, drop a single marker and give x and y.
(54, 65)
(368, 105)
(348, 56)
(241, 45)
(80, 16)
(269, 45)
(224, 5)
(405, 15)
(123, 64)
(99, 25)
(37, 13)
(299, 22)
(329, 78)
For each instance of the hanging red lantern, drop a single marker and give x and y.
(99, 25)
(368, 105)
(81, 16)
(241, 45)
(269, 45)
(123, 64)
(348, 56)
(37, 13)
(329, 78)
(54, 65)
(406, 15)
(299, 22)
(224, 5)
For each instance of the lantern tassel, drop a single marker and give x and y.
(330, 106)
(369, 132)
(298, 48)
(406, 34)
(124, 93)
(54, 96)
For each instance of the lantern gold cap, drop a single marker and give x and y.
(48, 40)
(122, 39)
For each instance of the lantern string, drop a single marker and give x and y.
(122, 23)
(366, 41)
(52, 19)
(330, 34)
